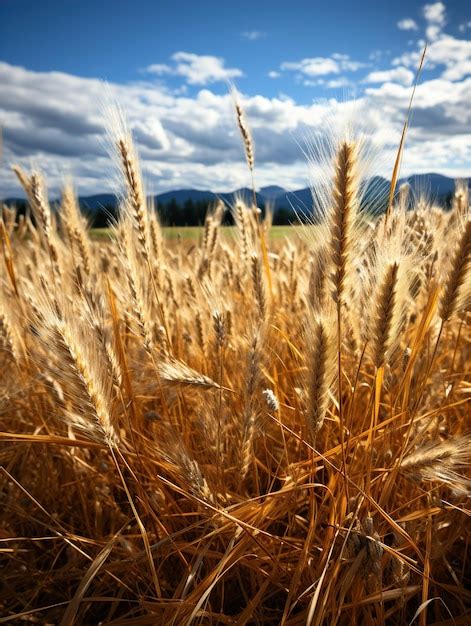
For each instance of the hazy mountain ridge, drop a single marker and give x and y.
(435, 186)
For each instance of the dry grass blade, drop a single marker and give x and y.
(71, 611)
(397, 163)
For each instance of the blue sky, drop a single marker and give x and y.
(168, 63)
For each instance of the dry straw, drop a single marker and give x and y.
(236, 429)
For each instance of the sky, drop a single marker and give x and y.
(300, 68)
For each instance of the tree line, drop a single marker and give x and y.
(172, 213)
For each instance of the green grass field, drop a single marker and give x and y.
(192, 233)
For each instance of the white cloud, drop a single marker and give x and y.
(399, 75)
(434, 15)
(346, 64)
(337, 83)
(253, 35)
(322, 66)
(333, 83)
(196, 69)
(274, 74)
(463, 27)
(454, 55)
(318, 66)
(158, 68)
(440, 106)
(439, 138)
(56, 120)
(407, 24)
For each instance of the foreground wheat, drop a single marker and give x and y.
(176, 446)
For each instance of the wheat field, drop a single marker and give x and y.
(243, 431)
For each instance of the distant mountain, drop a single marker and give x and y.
(299, 200)
(244, 193)
(184, 195)
(271, 192)
(434, 185)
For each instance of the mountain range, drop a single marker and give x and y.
(434, 185)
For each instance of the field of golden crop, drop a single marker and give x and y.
(242, 430)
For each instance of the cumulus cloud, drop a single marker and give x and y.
(448, 54)
(434, 15)
(453, 55)
(322, 66)
(253, 35)
(346, 64)
(333, 83)
(464, 26)
(337, 83)
(440, 108)
(399, 75)
(407, 24)
(318, 66)
(196, 69)
(56, 120)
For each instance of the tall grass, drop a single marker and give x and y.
(234, 434)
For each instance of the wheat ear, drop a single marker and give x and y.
(258, 286)
(174, 372)
(458, 274)
(249, 411)
(75, 362)
(320, 371)
(245, 134)
(443, 462)
(385, 307)
(135, 201)
(343, 215)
